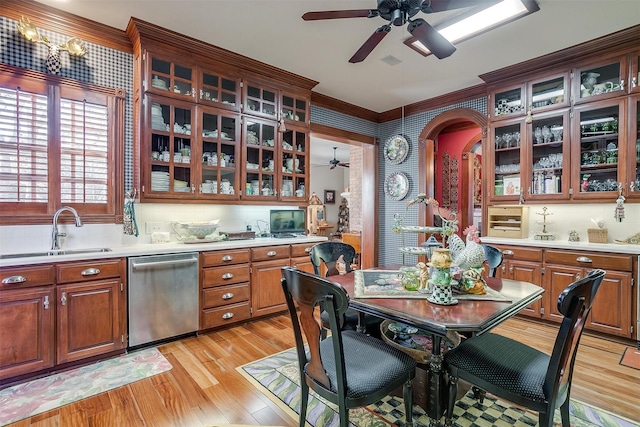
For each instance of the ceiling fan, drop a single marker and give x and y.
(335, 162)
(398, 13)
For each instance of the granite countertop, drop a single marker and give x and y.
(159, 249)
(565, 244)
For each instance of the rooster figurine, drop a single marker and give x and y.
(470, 255)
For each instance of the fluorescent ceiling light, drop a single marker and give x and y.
(477, 21)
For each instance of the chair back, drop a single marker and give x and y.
(575, 304)
(494, 258)
(309, 291)
(328, 253)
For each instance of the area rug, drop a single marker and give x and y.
(44, 394)
(631, 358)
(277, 377)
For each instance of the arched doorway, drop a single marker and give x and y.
(426, 152)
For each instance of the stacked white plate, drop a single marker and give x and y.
(159, 181)
(180, 186)
(157, 122)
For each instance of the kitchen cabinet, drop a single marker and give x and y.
(635, 72)
(224, 287)
(520, 263)
(167, 77)
(267, 296)
(220, 89)
(263, 164)
(632, 185)
(61, 313)
(300, 256)
(295, 164)
(599, 80)
(611, 310)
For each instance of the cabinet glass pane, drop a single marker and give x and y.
(599, 149)
(636, 184)
(599, 80)
(161, 66)
(293, 109)
(218, 153)
(507, 160)
(547, 156)
(548, 93)
(508, 102)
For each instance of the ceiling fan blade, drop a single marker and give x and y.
(431, 38)
(442, 5)
(333, 166)
(370, 44)
(337, 14)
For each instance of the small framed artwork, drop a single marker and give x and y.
(329, 197)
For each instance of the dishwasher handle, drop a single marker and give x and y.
(158, 263)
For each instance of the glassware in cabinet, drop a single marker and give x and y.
(260, 101)
(599, 81)
(600, 147)
(220, 152)
(548, 139)
(294, 163)
(260, 161)
(507, 159)
(507, 102)
(169, 148)
(169, 78)
(223, 91)
(294, 108)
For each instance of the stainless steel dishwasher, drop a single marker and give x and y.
(163, 297)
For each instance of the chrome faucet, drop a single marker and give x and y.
(55, 235)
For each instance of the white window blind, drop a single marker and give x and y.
(23, 147)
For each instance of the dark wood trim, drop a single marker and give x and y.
(589, 50)
(467, 170)
(445, 100)
(370, 187)
(148, 33)
(340, 135)
(333, 104)
(58, 21)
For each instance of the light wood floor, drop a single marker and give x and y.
(204, 389)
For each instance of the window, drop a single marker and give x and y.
(61, 144)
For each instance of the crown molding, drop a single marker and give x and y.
(333, 104)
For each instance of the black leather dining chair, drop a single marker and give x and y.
(349, 369)
(494, 258)
(325, 255)
(522, 374)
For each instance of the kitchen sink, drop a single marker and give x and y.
(55, 253)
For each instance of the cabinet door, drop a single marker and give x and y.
(529, 272)
(294, 108)
(506, 159)
(302, 263)
(219, 152)
(295, 164)
(548, 93)
(169, 78)
(507, 102)
(90, 319)
(166, 149)
(597, 149)
(601, 80)
(219, 89)
(635, 72)
(261, 164)
(260, 100)
(28, 316)
(266, 291)
(615, 291)
(557, 278)
(632, 185)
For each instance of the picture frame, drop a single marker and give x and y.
(329, 197)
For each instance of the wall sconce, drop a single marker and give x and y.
(74, 45)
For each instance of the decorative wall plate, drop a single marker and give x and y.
(396, 149)
(396, 186)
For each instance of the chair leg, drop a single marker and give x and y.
(304, 400)
(407, 394)
(545, 419)
(343, 413)
(478, 394)
(564, 413)
(451, 402)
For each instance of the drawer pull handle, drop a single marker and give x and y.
(227, 276)
(307, 250)
(228, 295)
(272, 253)
(584, 259)
(227, 258)
(13, 280)
(508, 252)
(45, 303)
(90, 272)
(227, 316)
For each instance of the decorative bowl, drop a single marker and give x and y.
(199, 230)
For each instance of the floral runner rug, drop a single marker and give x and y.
(277, 376)
(44, 394)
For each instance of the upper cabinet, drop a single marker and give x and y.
(216, 126)
(601, 80)
(635, 72)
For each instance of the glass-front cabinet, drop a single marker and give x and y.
(507, 137)
(261, 159)
(635, 72)
(295, 163)
(506, 103)
(548, 93)
(260, 101)
(294, 108)
(598, 148)
(633, 158)
(603, 80)
(168, 146)
(166, 77)
(219, 90)
(219, 153)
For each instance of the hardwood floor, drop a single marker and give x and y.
(204, 389)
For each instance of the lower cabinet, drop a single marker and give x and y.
(267, 296)
(525, 264)
(79, 313)
(300, 257)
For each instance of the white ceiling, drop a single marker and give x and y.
(272, 31)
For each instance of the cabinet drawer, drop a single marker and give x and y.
(225, 295)
(90, 270)
(269, 252)
(301, 249)
(214, 258)
(602, 260)
(521, 253)
(226, 315)
(24, 277)
(216, 276)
